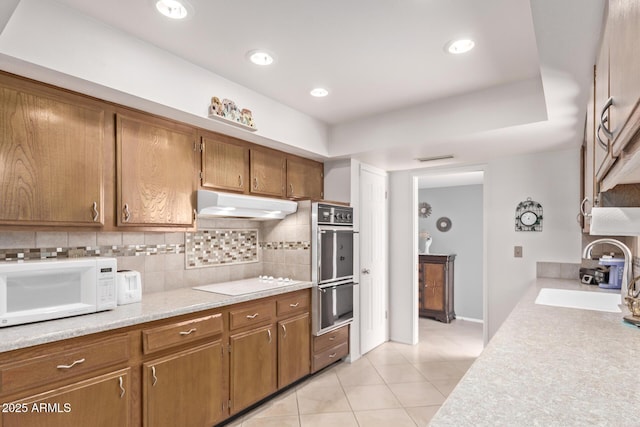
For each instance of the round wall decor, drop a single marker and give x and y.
(424, 209)
(443, 224)
(529, 216)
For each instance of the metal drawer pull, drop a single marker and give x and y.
(604, 119)
(126, 215)
(294, 305)
(122, 390)
(269, 332)
(190, 331)
(284, 331)
(94, 209)
(153, 374)
(252, 316)
(331, 356)
(332, 338)
(77, 362)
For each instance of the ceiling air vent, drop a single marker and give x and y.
(434, 158)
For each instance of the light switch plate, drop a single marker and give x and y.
(517, 251)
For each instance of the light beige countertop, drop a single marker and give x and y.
(551, 366)
(154, 306)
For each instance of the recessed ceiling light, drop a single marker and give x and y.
(319, 92)
(459, 46)
(260, 57)
(173, 9)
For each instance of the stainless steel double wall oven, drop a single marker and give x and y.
(332, 260)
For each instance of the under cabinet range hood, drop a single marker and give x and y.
(218, 204)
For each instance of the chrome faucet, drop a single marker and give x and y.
(627, 272)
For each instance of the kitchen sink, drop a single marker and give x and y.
(584, 300)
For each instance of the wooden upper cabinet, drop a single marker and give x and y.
(624, 70)
(588, 172)
(51, 156)
(305, 179)
(225, 165)
(267, 172)
(155, 172)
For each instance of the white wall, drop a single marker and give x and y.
(463, 206)
(47, 41)
(551, 178)
(337, 180)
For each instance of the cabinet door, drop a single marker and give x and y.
(294, 359)
(253, 366)
(305, 179)
(602, 151)
(588, 181)
(51, 157)
(267, 173)
(156, 173)
(184, 389)
(624, 68)
(433, 286)
(104, 401)
(225, 165)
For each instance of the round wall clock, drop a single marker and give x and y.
(424, 210)
(529, 216)
(443, 224)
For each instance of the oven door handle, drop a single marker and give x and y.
(334, 285)
(337, 230)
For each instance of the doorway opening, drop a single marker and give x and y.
(449, 228)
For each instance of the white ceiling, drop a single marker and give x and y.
(380, 56)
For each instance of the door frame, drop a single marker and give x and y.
(415, 175)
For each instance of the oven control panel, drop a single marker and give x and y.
(335, 215)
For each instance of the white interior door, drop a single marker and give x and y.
(374, 326)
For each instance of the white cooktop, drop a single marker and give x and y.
(247, 286)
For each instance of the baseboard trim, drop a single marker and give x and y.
(470, 319)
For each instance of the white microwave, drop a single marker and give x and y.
(33, 291)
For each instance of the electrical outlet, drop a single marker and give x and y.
(517, 251)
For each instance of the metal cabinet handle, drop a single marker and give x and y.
(76, 362)
(601, 143)
(94, 210)
(332, 355)
(122, 390)
(126, 215)
(190, 331)
(604, 117)
(252, 316)
(291, 189)
(255, 183)
(153, 374)
(284, 331)
(239, 180)
(269, 332)
(583, 211)
(294, 305)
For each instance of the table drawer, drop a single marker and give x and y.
(331, 339)
(161, 337)
(63, 364)
(329, 356)
(255, 314)
(296, 302)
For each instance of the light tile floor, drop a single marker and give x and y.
(394, 384)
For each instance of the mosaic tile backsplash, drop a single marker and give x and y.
(31, 254)
(217, 247)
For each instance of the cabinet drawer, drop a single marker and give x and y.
(296, 302)
(162, 337)
(329, 356)
(331, 339)
(252, 315)
(60, 365)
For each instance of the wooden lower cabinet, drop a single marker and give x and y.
(435, 287)
(103, 401)
(184, 389)
(293, 349)
(253, 364)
